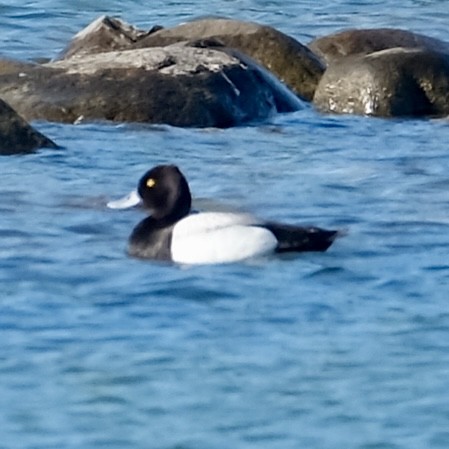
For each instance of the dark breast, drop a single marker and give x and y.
(148, 241)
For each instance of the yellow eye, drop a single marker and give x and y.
(151, 183)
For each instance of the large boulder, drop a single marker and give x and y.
(388, 83)
(177, 85)
(16, 135)
(290, 61)
(351, 42)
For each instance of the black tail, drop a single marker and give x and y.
(296, 238)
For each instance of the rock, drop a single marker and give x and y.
(388, 83)
(177, 85)
(9, 66)
(383, 72)
(336, 46)
(290, 61)
(16, 135)
(102, 35)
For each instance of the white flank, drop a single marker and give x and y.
(219, 237)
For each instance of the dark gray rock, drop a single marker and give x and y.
(177, 85)
(388, 83)
(16, 135)
(350, 42)
(290, 61)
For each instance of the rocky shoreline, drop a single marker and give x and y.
(224, 73)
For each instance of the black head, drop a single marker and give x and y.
(165, 191)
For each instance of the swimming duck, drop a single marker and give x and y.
(172, 232)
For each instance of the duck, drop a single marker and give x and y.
(173, 232)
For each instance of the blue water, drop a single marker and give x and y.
(347, 349)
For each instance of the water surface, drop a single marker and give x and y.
(343, 349)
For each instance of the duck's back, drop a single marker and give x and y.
(293, 238)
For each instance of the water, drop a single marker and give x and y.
(347, 349)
